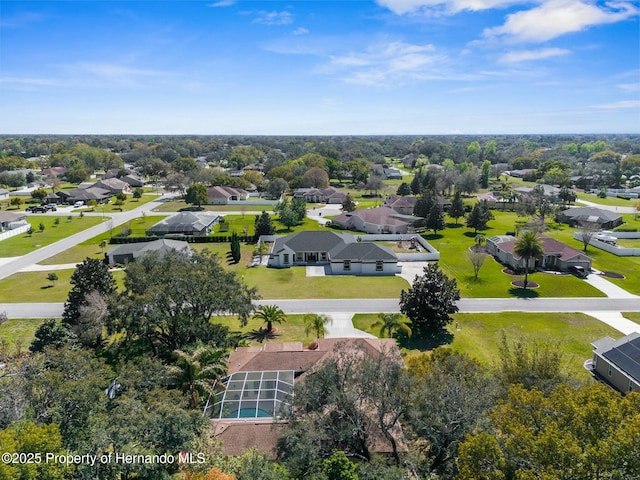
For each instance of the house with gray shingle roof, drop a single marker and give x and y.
(340, 253)
(185, 223)
(128, 252)
(577, 216)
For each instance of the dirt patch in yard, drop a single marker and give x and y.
(520, 284)
(612, 275)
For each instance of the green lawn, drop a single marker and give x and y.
(479, 334)
(292, 330)
(611, 201)
(23, 244)
(634, 316)
(91, 248)
(16, 335)
(453, 244)
(177, 205)
(129, 204)
(26, 287)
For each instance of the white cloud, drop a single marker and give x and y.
(222, 3)
(300, 31)
(623, 104)
(528, 55)
(386, 64)
(404, 7)
(629, 87)
(274, 18)
(558, 17)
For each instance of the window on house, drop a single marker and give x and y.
(378, 265)
(347, 265)
(286, 258)
(610, 370)
(298, 256)
(323, 256)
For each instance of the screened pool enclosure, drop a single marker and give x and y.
(254, 395)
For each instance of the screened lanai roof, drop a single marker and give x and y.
(254, 395)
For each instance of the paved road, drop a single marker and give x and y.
(19, 263)
(389, 305)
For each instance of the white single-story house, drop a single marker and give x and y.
(10, 220)
(341, 253)
(375, 220)
(401, 204)
(113, 185)
(185, 223)
(221, 195)
(128, 252)
(617, 362)
(328, 195)
(557, 255)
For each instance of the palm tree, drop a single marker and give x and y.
(528, 246)
(316, 323)
(270, 314)
(198, 371)
(390, 322)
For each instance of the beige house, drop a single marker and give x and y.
(259, 389)
(375, 220)
(557, 255)
(221, 195)
(617, 362)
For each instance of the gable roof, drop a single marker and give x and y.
(8, 217)
(549, 245)
(112, 183)
(312, 241)
(624, 353)
(185, 222)
(160, 246)
(221, 191)
(591, 214)
(365, 251)
(376, 216)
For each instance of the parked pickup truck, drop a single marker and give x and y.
(36, 209)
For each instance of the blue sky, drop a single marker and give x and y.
(319, 67)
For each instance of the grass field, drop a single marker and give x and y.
(453, 244)
(610, 201)
(25, 243)
(479, 335)
(16, 335)
(177, 205)
(23, 287)
(292, 330)
(91, 248)
(129, 204)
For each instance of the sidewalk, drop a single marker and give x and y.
(616, 320)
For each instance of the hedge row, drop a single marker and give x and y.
(184, 238)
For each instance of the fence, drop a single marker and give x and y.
(14, 232)
(616, 250)
(431, 253)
